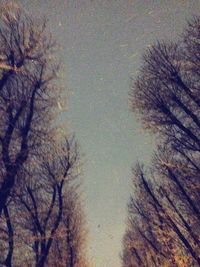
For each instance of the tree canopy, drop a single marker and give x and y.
(40, 202)
(163, 226)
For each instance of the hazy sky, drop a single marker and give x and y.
(102, 42)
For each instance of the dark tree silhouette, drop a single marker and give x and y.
(68, 248)
(165, 206)
(27, 75)
(42, 200)
(39, 185)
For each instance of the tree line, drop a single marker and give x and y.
(42, 220)
(163, 222)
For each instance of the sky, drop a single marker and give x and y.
(101, 45)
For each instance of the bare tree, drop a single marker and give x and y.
(158, 234)
(27, 91)
(39, 172)
(41, 199)
(148, 236)
(165, 94)
(166, 97)
(68, 248)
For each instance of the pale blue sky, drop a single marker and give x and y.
(102, 42)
